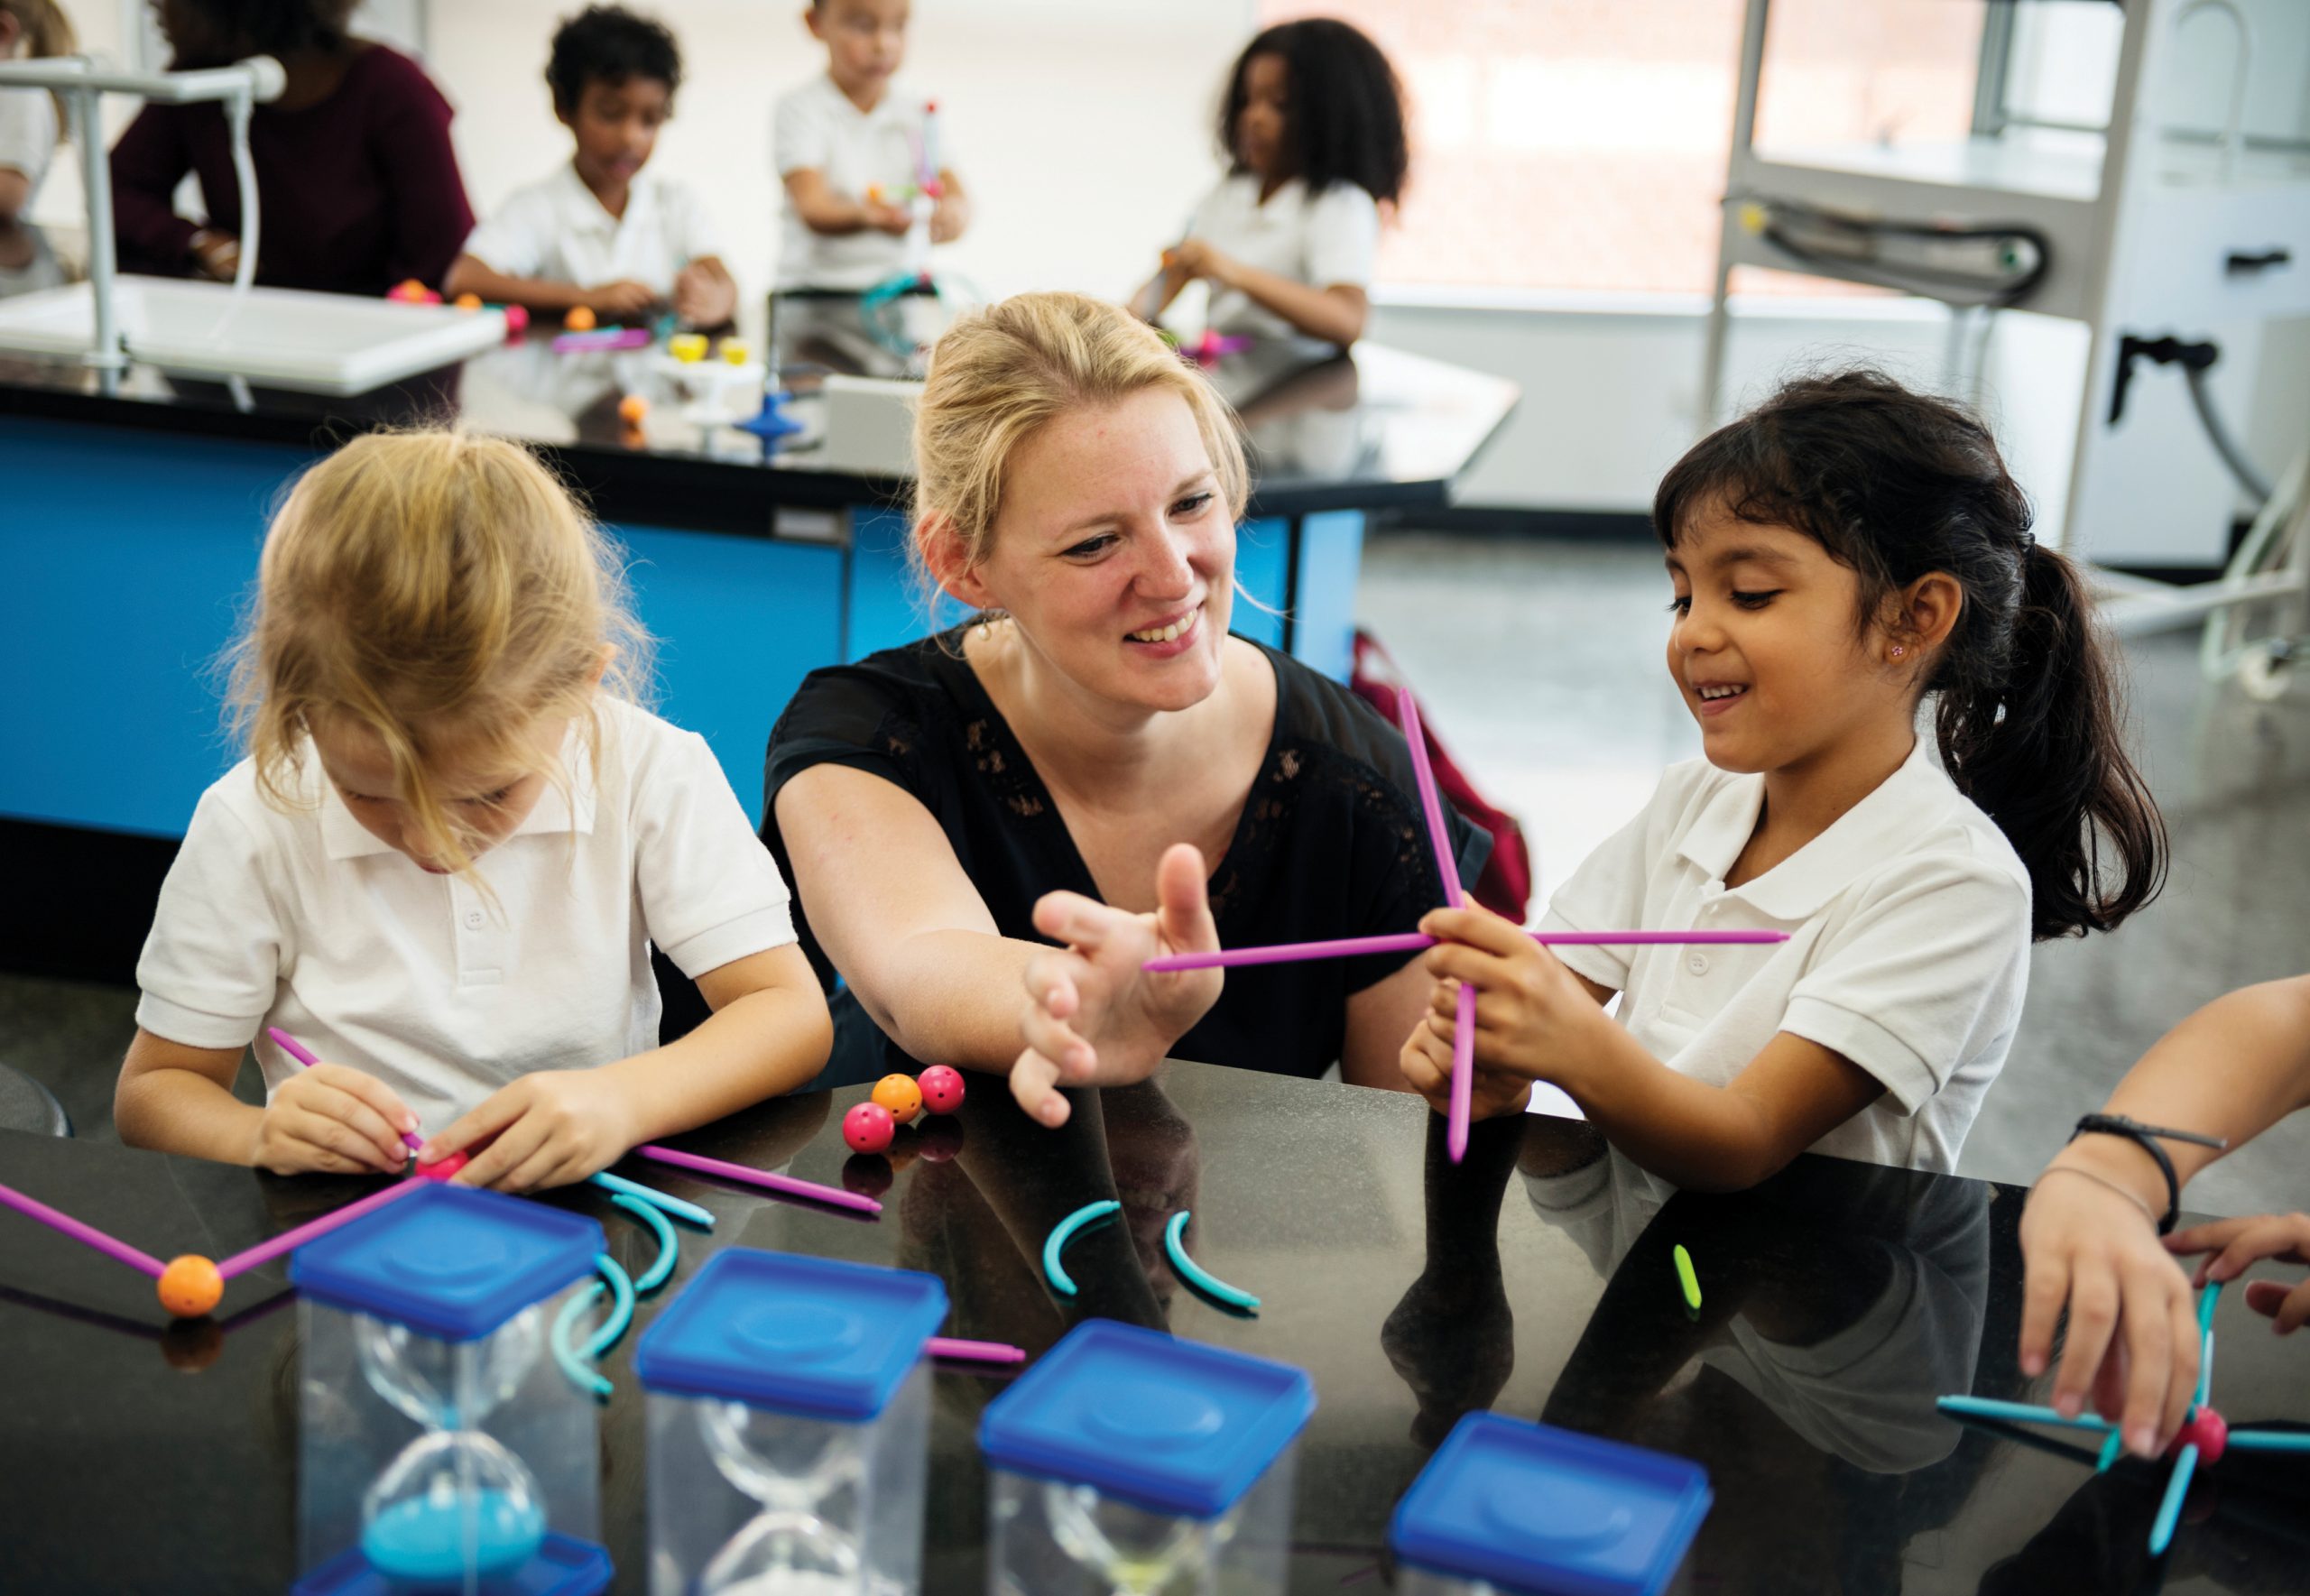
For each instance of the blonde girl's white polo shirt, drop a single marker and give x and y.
(556, 231)
(303, 920)
(1909, 948)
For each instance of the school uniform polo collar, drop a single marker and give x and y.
(1881, 826)
(565, 806)
(577, 211)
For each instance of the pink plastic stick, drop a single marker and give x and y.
(1343, 947)
(975, 1351)
(762, 1177)
(304, 1056)
(88, 1234)
(1439, 837)
(240, 1263)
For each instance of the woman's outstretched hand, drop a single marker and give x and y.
(1094, 1016)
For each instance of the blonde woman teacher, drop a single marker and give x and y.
(989, 830)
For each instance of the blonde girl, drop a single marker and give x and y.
(444, 862)
(32, 124)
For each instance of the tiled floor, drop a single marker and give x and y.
(1541, 665)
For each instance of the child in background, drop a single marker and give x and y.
(1838, 554)
(444, 861)
(1312, 128)
(32, 120)
(848, 144)
(2095, 1240)
(601, 232)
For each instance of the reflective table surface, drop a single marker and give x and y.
(1535, 1278)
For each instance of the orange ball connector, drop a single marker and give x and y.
(901, 1095)
(633, 410)
(468, 302)
(190, 1286)
(580, 319)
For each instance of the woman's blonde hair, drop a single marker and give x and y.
(434, 588)
(998, 374)
(49, 32)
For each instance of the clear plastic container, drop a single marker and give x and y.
(441, 1448)
(1510, 1509)
(1129, 1464)
(790, 1429)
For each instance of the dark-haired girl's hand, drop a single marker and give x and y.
(1193, 258)
(1095, 1017)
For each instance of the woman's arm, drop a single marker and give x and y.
(1380, 1020)
(148, 163)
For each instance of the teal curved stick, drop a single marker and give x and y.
(700, 1217)
(621, 1307)
(1195, 1274)
(1063, 1232)
(2206, 1300)
(668, 1244)
(2109, 1453)
(2169, 1511)
(572, 1364)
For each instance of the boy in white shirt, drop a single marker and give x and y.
(853, 149)
(602, 233)
(31, 119)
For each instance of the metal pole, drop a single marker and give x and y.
(96, 186)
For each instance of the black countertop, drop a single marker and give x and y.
(1838, 1300)
(1373, 429)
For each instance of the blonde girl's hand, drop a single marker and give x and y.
(1094, 1016)
(329, 1120)
(2237, 1243)
(1533, 1016)
(2131, 1349)
(1427, 1062)
(548, 1128)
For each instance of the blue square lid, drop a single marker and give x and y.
(450, 1261)
(1169, 1426)
(807, 1335)
(1533, 1507)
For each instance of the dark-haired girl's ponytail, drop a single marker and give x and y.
(2042, 754)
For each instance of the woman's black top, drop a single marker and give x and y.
(1330, 843)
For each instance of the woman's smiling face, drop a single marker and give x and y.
(1115, 550)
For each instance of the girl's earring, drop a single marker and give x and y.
(1898, 650)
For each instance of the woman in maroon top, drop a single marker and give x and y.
(357, 188)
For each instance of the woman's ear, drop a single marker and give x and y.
(944, 556)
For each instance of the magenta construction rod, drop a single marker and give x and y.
(975, 1351)
(240, 1263)
(1343, 947)
(761, 1178)
(119, 1252)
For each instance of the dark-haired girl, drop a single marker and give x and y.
(1849, 562)
(1312, 127)
(357, 187)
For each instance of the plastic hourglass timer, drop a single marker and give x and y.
(1510, 1509)
(442, 1447)
(789, 1427)
(1127, 1463)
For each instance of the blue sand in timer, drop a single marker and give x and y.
(442, 1447)
(789, 1424)
(1129, 1464)
(1506, 1506)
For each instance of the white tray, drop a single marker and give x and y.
(278, 337)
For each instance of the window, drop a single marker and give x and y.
(1572, 145)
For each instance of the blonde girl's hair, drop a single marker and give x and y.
(998, 374)
(49, 32)
(436, 589)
